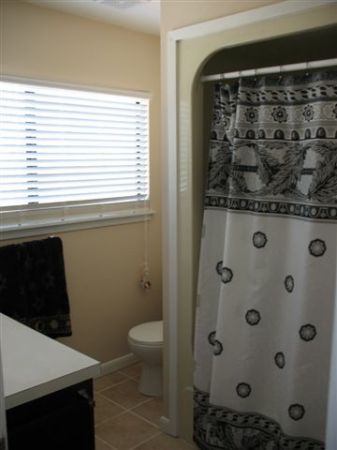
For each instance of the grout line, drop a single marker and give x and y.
(130, 407)
(102, 422)
(105, 442)
(145, 441)
(113, 385)
(136, 379)
(157, 432)
(104, 397)
(143, 418)
(126, 376)
(139, 404)
(125, 410)
(132, 412)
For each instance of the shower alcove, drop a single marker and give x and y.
(283, 33)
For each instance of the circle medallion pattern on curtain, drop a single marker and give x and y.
(280, 360)
(308, 113)
(225, 272)
(252, 115)
(308, 332)
(296, 411)
(243, 390)
(217, 348)
(280, 114)
(317, 247)
(227, 275)
(211, 338)
(289, 283)
(335, 110)
(253, 317)
(259, 239)
(218, 268)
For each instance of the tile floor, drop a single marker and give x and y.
(125, 419)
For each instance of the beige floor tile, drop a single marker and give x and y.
(100, 445)
(125, 431)
(108, 380)
(125, 394)
(105, 408)
(133, 371)
(164, 442)
(151, 410)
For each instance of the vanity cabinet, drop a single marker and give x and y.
(48, 391)
(63, 420)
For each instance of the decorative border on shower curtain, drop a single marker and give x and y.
(273, 146)
(326, 213)
(220, 428)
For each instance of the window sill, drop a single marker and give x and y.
(73, 223)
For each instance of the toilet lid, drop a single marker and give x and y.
(149, 333)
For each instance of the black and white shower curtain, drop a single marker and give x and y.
(266, 291)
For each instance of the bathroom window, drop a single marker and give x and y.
(71, 157)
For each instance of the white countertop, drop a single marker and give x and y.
(35, 365)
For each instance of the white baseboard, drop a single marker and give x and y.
(118, 364)
(166, 426)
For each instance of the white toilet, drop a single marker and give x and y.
(146, 342)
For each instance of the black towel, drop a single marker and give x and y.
(33, 286)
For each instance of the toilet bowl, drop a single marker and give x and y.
(146, 342)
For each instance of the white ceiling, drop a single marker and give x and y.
(140, 15)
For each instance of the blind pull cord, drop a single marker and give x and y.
(145, 282)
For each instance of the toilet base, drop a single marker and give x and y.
(151, 381)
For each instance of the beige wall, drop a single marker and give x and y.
(180, 13)
(103, 264)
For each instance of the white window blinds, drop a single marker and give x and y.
(71, 147)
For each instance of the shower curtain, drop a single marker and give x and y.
(266, 290)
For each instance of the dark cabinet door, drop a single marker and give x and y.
(63, 420)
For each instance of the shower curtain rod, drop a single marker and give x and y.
(271, 70)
